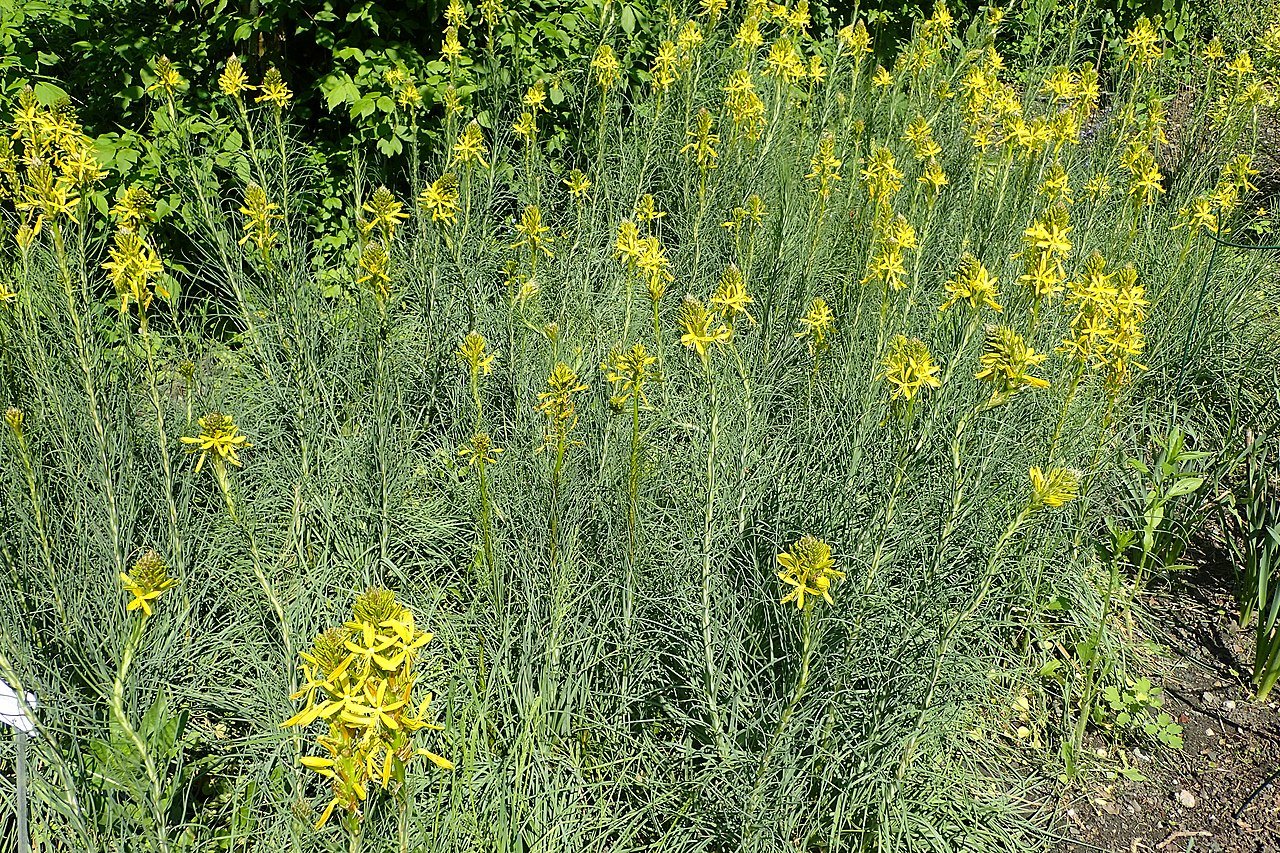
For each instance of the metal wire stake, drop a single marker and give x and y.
(24, 842)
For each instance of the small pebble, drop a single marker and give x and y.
(1208, 733)
(1187, 799)
(1229, 705)
(1207, 697)
(1102, 752)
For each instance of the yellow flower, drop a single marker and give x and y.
(700, 332)
(824, 167)
(731, 297)
(606, 68)
(665, 70)
(578, 183)
(1006, 360)
(440, 198)
(233, 81)
(134, 207)
(451, 47)
(934, 178)
(1053, 489)
(920, 135)
(628, 372)
(532, 232)
(168, 80)
(972, 284)
(908, 368)
(808, 568)
(655, 266)
(384, 212)
(359, 680)
(147, 582)
(746, 110)
(628, 246)
(274, 90)
(219, 439)
(816, 324)
(259, 214)
(13, 417)
(557, 404)
(133, 266)
(472, 353)
(470, 148)
(702, 141)
(647, 209)
(882, 78)
(375, 263)
(480, 450)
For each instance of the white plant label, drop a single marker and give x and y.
(11, 711)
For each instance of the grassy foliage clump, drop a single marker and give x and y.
(749, 469)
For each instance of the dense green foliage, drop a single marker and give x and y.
(971, 327)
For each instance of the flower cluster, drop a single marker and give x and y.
(359, 680)
(808, 568)
(1046, 247)
(557, 405)
(148, 580)
(1006, 362)
(1106, 331)
(908, 368)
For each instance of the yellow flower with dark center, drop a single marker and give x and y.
(274, 90)
(1006, 361)
(1054, 488)
(816, 324)
(700, 329)
(808, 568)
(232, 81)
(440, 198)
(148, 580)
(909, 368)
(972, 284)
(219, 440)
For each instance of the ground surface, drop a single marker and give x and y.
(1221, 791)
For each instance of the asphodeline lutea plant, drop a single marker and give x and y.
(382, 214)
(1006, 364)
(909, 371)
(359, 680)
(146, 582)
(219, 443)
(808, 570)
(973, 285)
(260, 215)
